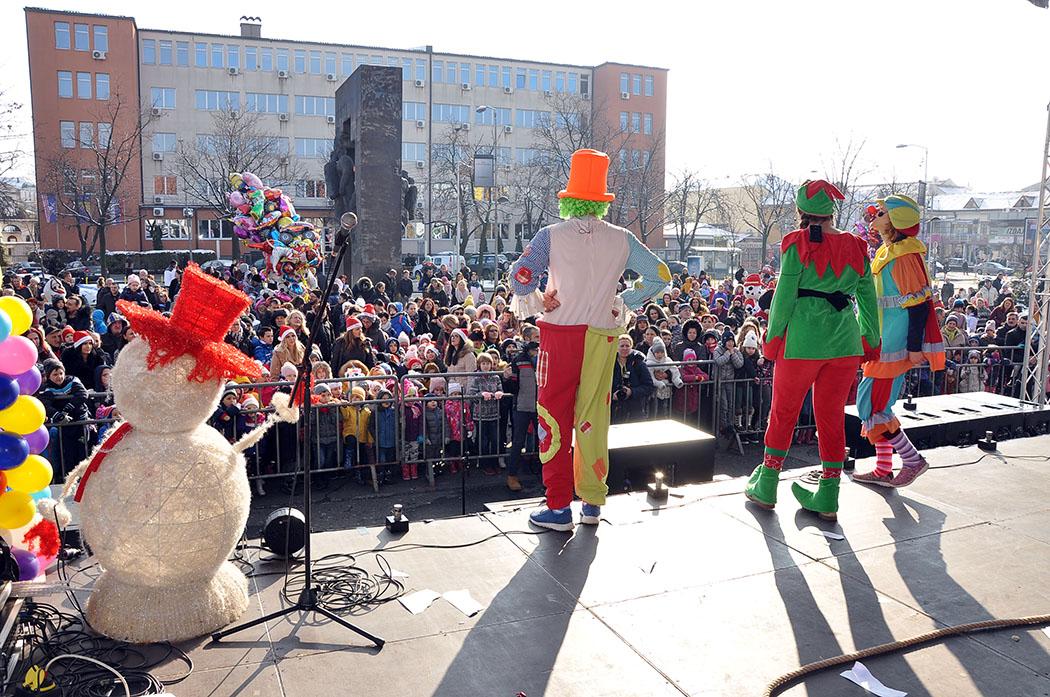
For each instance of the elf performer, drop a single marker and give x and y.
(582, 316)
(816, 341)
(910, 337)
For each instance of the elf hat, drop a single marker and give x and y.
(903, 212)
(817, 197)
(80, 338)
(588, 172)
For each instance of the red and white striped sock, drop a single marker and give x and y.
(883, 458)
(910, 457)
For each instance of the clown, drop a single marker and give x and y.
(582, 317)
(910, 337)
(816, 340)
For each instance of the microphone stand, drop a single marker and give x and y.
(308, 598)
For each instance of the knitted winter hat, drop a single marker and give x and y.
(133, 278)
(485, 356)
(250, 402)
(81, 338)
(689, 355)
(289, 371)
(436, 382)
(403, 339)
(463, 337)
(658, 345)
(455, 388)
(322, 389)
(751, 341)
(229, 392)
(710, 334)
(973, 354)
(953, 318)
(358, 392)
(413, 363)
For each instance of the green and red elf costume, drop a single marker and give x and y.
(817, 341)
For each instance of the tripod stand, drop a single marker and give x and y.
(307, 601)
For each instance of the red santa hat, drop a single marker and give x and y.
(368, 311)
(753, 280)
(352, 323)
(81, 338)
(285, 331)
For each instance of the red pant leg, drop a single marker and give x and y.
(792, 378)
(830, 391)
(558, 377)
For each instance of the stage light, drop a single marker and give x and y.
(396, 522)
(657, 489)
(284, 532)
(988, 443)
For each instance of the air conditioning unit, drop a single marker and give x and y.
(234, 113)
(156, 111)
(158, 199)
(331, 77)
(330, 119)
(586, 95)
(465, 126)
(548, 93)
(465, 86)
(158, 212)
(188, 212)
(282, 74)
(508, 90)
(508, 129)
(420, 164)
(421, 123)
(625, 95)
(98, 55)
(282, 117)
(233, 71)
(505, 167)
(158, 156)
(419, 205)
(421, 83)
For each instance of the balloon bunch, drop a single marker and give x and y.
(25, 476)
(267, 219)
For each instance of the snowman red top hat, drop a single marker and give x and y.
(204, 311)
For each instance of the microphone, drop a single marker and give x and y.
(347, 222)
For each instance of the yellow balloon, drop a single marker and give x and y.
(19, 312)
(16, 509)
(32, 475)
(24, 416)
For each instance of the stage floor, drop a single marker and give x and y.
(708, 596)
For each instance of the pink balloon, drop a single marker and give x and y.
(17, 355)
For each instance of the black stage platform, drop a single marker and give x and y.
(706, 597)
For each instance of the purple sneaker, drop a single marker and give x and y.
(874, 478)
(908, 475)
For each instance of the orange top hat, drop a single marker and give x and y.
(204, 311)
(588, 172)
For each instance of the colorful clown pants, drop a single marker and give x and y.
(574, 377)
(831, 380)
(875, 400)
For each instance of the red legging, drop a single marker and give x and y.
(831, 380)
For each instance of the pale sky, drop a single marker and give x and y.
(752, 82)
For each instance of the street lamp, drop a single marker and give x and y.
(925, 172)
(459, 197)
(481, 109)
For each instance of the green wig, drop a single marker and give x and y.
(578, 208)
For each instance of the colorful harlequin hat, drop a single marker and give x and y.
(904, 213)
(817, 197)
(588, 173)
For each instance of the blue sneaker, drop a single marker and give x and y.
(590, 514)
(553, 519)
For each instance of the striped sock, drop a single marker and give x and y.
(883, 458)
(773, 462)
(910, 457)
(832, 470)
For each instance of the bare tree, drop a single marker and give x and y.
(237, 142)
(94, 182)
(844, 169)
(10, 154)
(763, 204)
(453, 165)
(689, 201)
(532, 192)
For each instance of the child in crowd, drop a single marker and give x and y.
(384, 421)
(971, 373)
(262, 346)
(434, 423)
(665, 374)
(728, 359)
(357, 437)
(227, 417)
(522, 381)
(749, 388)
(489, 387)
(415, 432)
(327, 428)
(459, 425)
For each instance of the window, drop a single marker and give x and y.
(636, 123)
(647, 128)
(217, 53)
(87, 182)
(165, 185)
(464, 73)
(438, 72)
(164, 57)
(211, 229)
(164, 142)
(527, 118)
(479, 75)
(623, 121)
(413, 152)
(500, 115)
(200, 52)
(62, 36)
(534, 79)
(413, 111)
(211, 100)
(421, 69)
(451, 113)
(282, 59)
(636, 159)
(502, 155)
(313, 147)
(572, 83)
(251, 58)
(315, 62)
(623, 160)
(83, 85)
(519, 78)
(585, 82)
(266, 103)
(625, 82)
(102, 86)
(233, 56)
(406, 68)
(300, 61)
(566, 121)
(149, 51)
(67, 131)
(648, 85)
(162, 97)
(450, 72)
(167, 229)
(310, 188)
(105, 130)
(362, 59)
(266, 59)
(87, 134)
(636, 84)
(329, 63)
(65, 84)
(559, 81)
(81, 38)
(314, 106)
(505, 76)
(101, 37)
(525, 156)
(182, 54)
(545, 82)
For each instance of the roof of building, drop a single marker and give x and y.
(977, 200)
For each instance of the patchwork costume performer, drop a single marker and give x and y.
(816, 341)
(910, 336)
(582, 316)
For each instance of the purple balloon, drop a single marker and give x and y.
(28, 566)
(29, 381)
(38, 440)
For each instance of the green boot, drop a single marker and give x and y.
(824, 502)
(762, 487)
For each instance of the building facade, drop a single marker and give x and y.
(183, 80)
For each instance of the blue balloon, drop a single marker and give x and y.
(13, 450)
(9, 391)
(42, 494)
(5, 325)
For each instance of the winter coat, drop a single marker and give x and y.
(458, 420)
(663, 366)
(229, 422)
(435, 424)
(633, 374)
(697, 345)
(384, 422)
(468, 363)
(400, 323)
(342, 354)
(262, 352)
(485, 409)
(523, 383)
(687, 399)
(135, 296)
(113, 343)
(357, 423)
(414, 425)
(404, 288)
(83, 367)
(954, 339)
(326, 424)
(65, 402)
(727, 362)
(971, 377)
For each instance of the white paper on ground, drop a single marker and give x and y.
(419, 601)
(860, 675)
(394, 573)
(463, 602)
(1046, 631)
(825, 533)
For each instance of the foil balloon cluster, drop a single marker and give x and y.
(25, 476)
(267, 219)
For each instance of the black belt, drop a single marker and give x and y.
(839, 300)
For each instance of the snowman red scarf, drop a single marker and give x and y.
(104, 449)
